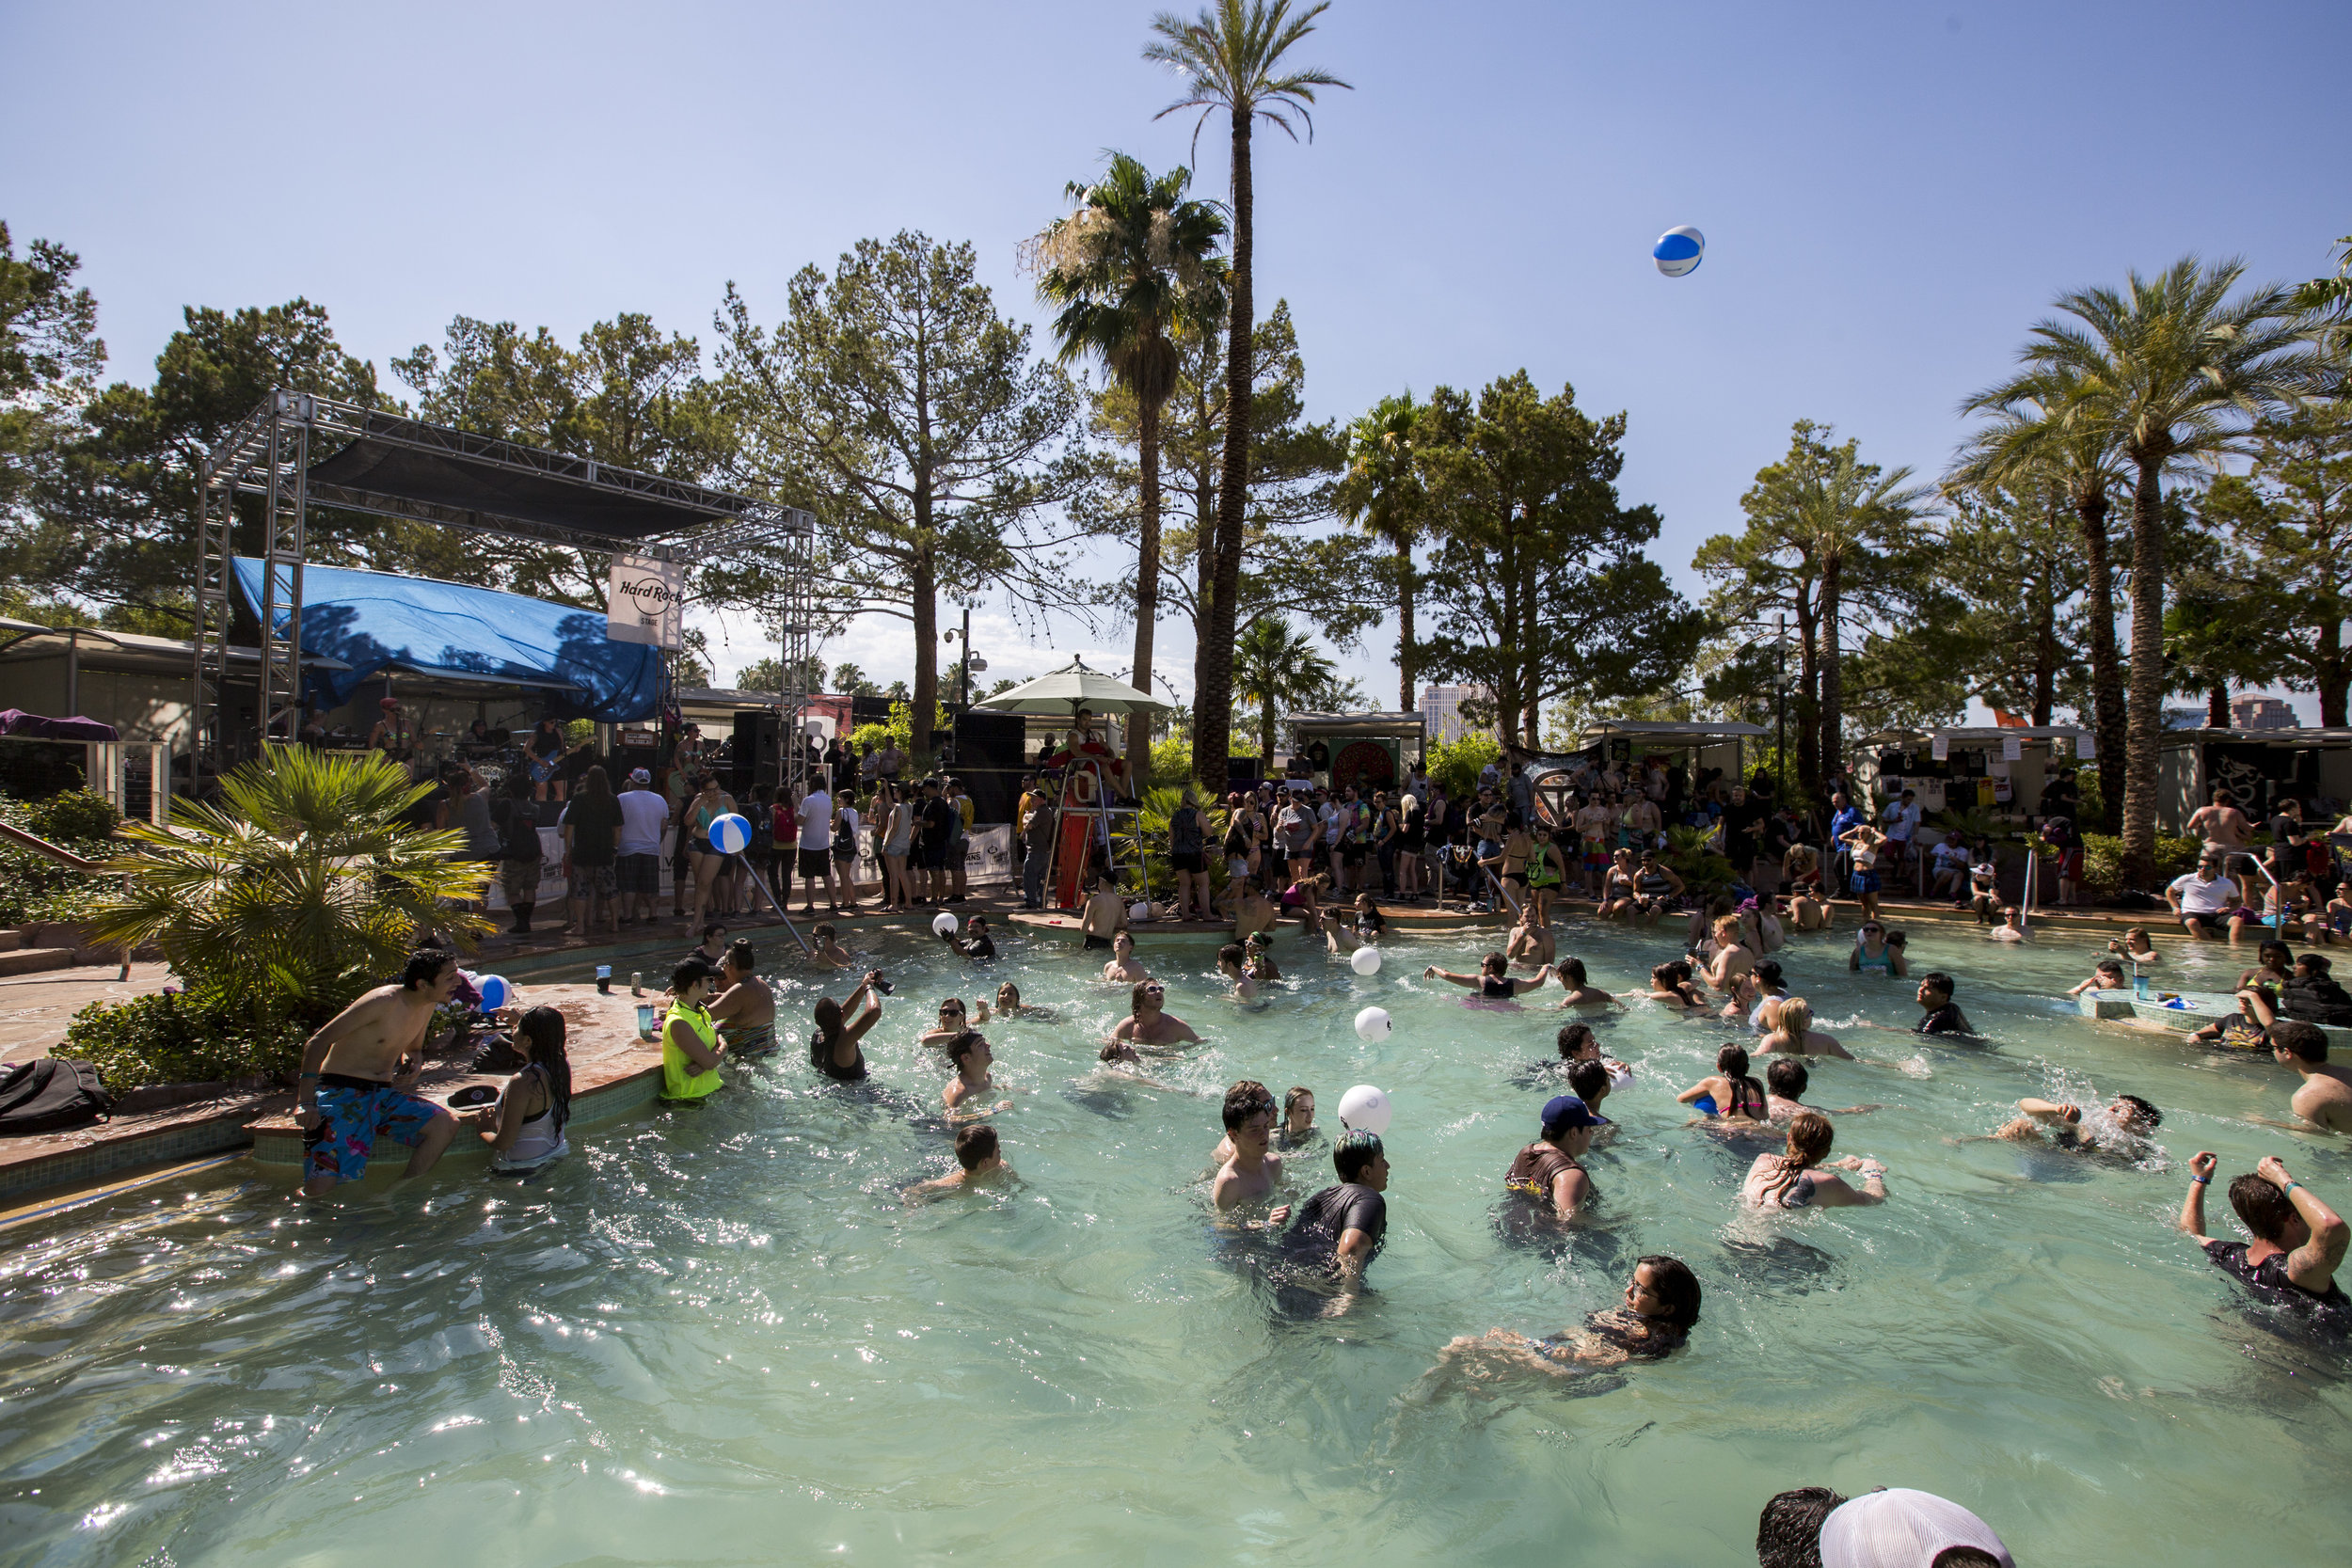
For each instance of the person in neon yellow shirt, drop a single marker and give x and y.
(690, 1041)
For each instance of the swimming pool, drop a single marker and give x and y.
(715, 1334)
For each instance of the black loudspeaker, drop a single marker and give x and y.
(1243, 773)
(757, 752)
(989, 761)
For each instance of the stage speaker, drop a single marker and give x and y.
(757, 752)
(1242, 772)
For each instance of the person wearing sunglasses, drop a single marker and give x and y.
(1872, 954)
(1148, 1022)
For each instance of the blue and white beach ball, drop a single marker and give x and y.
(730, 834)
(496, 992)
(1678, 251)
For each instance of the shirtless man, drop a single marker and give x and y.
(1104, 916)
(357, 1073)
(966, 1092)
(1119, 1060)
(2223, 826)
(1252, 913)
(745, 1010)
(979, 1164)
(2324, 1099)
(1252, 1170)
(1148, 1024)
(1531, 943)
(827, 951)
(1124, 968)
(2127, 1114)
(1571, 972)
(1731, 959)
(1232, 964)
(1595, 824)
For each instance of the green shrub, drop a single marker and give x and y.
(33, 886)
(1704, 870)
(182, 1038)
(1171, 760)
(1454, 767)
(2103, 862)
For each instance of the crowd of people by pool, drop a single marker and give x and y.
(1730, 967)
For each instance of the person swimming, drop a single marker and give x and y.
(1798, 1178)
(1660, 1307)
(1729, 1092)
(1551, 1169)
(1492, 982)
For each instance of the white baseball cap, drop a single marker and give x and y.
(1900, 1527)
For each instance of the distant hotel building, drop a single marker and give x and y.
(1441, 710)
(2263, 713)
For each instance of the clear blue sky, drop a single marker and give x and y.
(1891, 194)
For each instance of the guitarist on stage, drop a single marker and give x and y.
(547, 751)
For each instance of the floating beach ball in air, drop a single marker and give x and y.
(496, 992)
(1678, 251)
(730, 834)
(1373, 1023)
(1365, 960)
(1365, 1109)
(944, 924)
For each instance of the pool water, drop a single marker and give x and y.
(716, 1334)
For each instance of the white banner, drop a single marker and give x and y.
(2012, 748)
(1941, 750)
(642, 601)
(2086, 746)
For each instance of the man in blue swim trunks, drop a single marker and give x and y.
(357, 1073)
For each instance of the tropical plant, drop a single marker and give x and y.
(1279, 667)
(2040, 430)
(1136, 261)
(2170, 371)
(1231, 58)
(1698, 859)
(183, 1038)
(1382, 493)
(300, 888)
(1454, 765)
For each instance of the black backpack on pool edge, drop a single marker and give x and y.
(50, 1096)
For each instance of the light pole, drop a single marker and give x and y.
(1780, 683)
(969, 667)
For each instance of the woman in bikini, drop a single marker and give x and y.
(1729, 1092)
(1660, 1307)
(1802, 1177)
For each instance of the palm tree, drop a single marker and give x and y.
(2171, 371)
(1230, 57)
(1381, 493)
(301, 887)
(1133, 261)
(1278, 667)
(2041, 433)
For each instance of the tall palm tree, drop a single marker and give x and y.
(1381, 493)
(1136, 260)
(2172, 370)
(1278, 667)
(2042, 431)
(1230, 57)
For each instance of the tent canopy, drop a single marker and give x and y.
(32, 726)
(376, 622)
(1066, 691)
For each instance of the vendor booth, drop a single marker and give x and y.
(2260, 767)
(1700, 748)
(1359, 751)
(2002, 768)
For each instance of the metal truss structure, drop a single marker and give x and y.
(294, 450)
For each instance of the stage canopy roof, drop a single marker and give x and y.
(377, 622)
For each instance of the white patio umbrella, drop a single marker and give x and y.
(1066, 691)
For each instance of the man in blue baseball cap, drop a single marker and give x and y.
(1550, 1168)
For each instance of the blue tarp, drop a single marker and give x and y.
(379, 621)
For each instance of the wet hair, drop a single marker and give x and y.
(1355, 1150)
(1796, 1018)
(1493, 963)
(2274, 948)
(1245, 1099)
(714, 928)
(1574, 1037)
(743, 956)
(1788, 1078)
(2304, 1041)
(1963, 1557)
(687, 972)
(541, 1031)
(828, 1015)
(2313, 962)
(1726, 923)
(1897, 939)
(1231, 953)
(1111, 1052)
(1122, 934)
(1731, 1059)
(1588, 1082)
(424, 966)
(1682, 970)
(2110, 966)
(1937, 981)
(1662, 976)
(1767, 972)
(2148, 1114)
(1009, 986)
(824, 932)
(1810, 1139)
(1134, 998)
(974, 1145)
(1789, 1531)
(963, 1045)
(2265, 1210)
(1675, 1285)
(1291, 1096)
(1570, 970)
